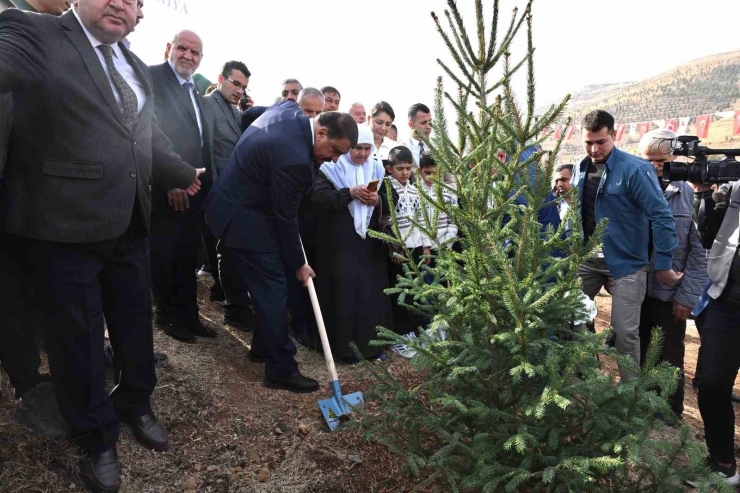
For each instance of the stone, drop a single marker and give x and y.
(191, 483)
(264, 475)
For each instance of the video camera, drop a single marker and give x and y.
(701, 170)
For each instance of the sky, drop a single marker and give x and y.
(374, 50)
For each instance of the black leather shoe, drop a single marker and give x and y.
(149, 431)
(295, 383)
(256, 358)
(198, 329)
(241, 318)
(178, 331)
(217, 294)
(100, 472)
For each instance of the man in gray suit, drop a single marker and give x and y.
(222, 117)
(80, 205)
(223, 120)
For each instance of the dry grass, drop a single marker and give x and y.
(226, 427)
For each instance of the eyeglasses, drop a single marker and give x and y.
(236, 83)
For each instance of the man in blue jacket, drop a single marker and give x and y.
(253, 211)
(623, 189)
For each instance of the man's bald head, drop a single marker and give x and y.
(185, 53)
(311, 101)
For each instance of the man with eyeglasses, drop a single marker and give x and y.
(176, 218)
(223, 120)
(80, 206)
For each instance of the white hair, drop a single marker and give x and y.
(655, 141)
(309, 92)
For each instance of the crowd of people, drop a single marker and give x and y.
(144, 179)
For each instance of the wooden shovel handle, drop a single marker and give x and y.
(320, 323)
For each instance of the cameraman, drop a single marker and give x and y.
(717, 217)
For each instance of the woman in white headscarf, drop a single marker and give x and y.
(351, 271)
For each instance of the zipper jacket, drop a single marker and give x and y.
(630, 198)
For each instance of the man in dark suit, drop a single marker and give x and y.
(19, 354)
(253, 212)
(223, 120)
(177, 220)
(80, 204)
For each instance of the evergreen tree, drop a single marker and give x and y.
(513, 399)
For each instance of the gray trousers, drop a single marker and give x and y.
(628, 292)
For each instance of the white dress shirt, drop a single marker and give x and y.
(386, 146)
(413, 146)
(119, 60)
(192, 98)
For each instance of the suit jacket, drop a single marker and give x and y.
(176, 116)
(77, 174)
(222, 119)
(249, 116)
(254, 205)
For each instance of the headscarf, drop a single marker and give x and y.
(346, 174)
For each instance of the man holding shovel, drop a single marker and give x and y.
(253, 212)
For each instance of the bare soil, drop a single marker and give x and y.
(230, 434)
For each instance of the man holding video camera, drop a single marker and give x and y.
(717, 217)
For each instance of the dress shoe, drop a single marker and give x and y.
(178, 331)
(38, 409)
(217, 294)
(149, 431)
(100, 472)
(256, 358)
(295, 383)
(197, 328)
(241, 318)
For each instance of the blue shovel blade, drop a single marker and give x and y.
(338, 405)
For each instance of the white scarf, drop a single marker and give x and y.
(346, 174)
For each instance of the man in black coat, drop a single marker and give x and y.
(253, 212)
(176, 219)
(19, 354)
(80, 205)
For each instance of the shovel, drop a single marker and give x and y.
(338, 405)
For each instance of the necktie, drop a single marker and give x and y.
(421, 150)
(128, 96)
(188, 87)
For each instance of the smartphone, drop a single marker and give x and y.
(373, 185)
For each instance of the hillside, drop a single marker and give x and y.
(699, 87)
(702, 86)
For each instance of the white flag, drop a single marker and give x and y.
(633, 130)
(683, 124)
(659, 123)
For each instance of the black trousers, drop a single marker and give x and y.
(175, 245)
(657, 313)
(716, 369)
(18, 352)
(77, 285)
(263, 275)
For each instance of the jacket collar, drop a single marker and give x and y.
(173, 79)
(228, 110)
(82, 44)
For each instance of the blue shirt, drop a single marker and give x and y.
(630, 198)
